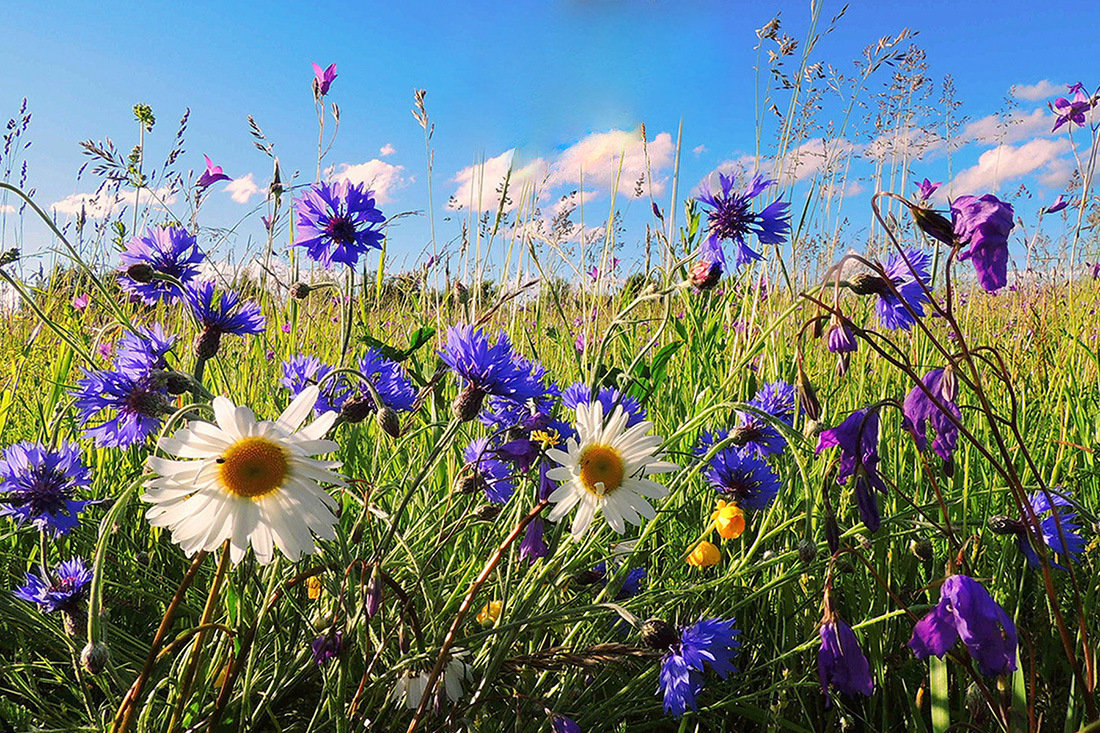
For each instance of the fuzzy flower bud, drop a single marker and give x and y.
(94, 657)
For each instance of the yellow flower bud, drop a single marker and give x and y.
(489, 614)
(704, 555)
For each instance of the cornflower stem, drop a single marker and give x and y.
(467, 603)
(348, 313)
(200, 638)
(124, 717)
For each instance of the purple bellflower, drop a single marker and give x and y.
(857, 438)
(212, 174)
(984, 223)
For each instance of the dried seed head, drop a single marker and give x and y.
(922, 548)
(487, 512)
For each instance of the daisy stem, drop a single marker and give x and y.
(200, 637)
(125, 714)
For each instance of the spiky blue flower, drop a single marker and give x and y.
(145, 350)
(304, 370)
(223, 312)
(491, 475)
(609, 397)
(137, 401)
(709, 643)
(338, 222)
(387, 376)
(758, 436)
(1048, 528)
(67, 587)
(487, 368)
(37, 486)
(167, 250)
(891, 309)
(738, 475)
(731, 217)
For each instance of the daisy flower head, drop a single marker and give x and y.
(606, 469)
(168, 251)
(37, 485)
(248, 481)
(487, 368)
(731, 216)
(890, 309)
(709, 643)
(66, 587)
(221, 313)
(338, 222)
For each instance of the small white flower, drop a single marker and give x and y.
(250, 482)
(606, 471)
(410, 686)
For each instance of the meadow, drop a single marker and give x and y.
(746, 482)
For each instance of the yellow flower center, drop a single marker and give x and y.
(252, 467)
(602, 469)
(546, 438)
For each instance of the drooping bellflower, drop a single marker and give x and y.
(38, 486)
(338, 222)
(857, 438)
(984, 223)
(840, 661)
(212, 174)
(920, 411)
(966, 611)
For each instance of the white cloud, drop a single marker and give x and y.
(104, 204)
(1014, 128)
(699, 149)
(480, 186)
(379, 176)
(242, 189)
(387, 149)
(7, 209)
(603, 158)
(1038, 91)
(1005, 163)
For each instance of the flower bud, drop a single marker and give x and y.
(705, 275)
(461, 293)
(807, 551)
(356, 410)
(866, 284)
(934, 225)
(74, 618)
(468, 403)
(388, 421)
(300, 291)
(207, 343)
(487, 512)
(374, 593)
(140, 272)
(658, 635)
(807, 396)
(922, 548)
(1000, 524)
(832, 533)
(94, 657)
(468, 484)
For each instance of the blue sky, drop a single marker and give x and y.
(558, 83)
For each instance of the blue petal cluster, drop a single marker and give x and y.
(37, 486)
(731, 217)
(338, 222)
(223, 312)
(67, 587)
(889, 308)
(709, 643)
(493, 369)
(738, 474)
(167, 250)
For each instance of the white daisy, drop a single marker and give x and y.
(249, 482)
(606, 471)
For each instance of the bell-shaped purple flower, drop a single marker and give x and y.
(857, 438)
(840, 661)
(966, 611)
(920, 410)
(1071, 110)
(212, 174)
(323, 78)
(984, 223)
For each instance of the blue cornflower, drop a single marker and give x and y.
(166, 250)
(731, 217)
(62, 592)
(139, 401)
(487, 472)
(488, 369)
(1048, 528)
(389, 379)
(303, 370)
(857, 438)
(708, 643)
(890, 309)
(534, 413)
(738, 475)
(219, 314)
(37, 485)
(578, 393)
(145, 350)
(755, 434)
(337, 222)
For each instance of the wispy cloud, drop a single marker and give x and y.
(379, 176)
(387, 149)
(616, 157)
(1038, 91)
(104, 204)
(1015, 127)
(481, 186)
(242, 189)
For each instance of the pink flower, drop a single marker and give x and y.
(80, 302)
(322, 79)
(285, 328)
(212, 175)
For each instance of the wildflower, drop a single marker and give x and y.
(842, 342)
(144, 350)
(707, 270)
(313, 587)
(138, 402)
(252, 482)
(731, 218)
(323, 78)
(927, 188)
(703, 555)
(606, 469)
(1048, 527)
(891, 309)
(533, 546)
(738, 474)
(857, 438)
(37, 485)
(212, 175)
(300, 372)
(1057, 206)
(410, 686)
(966, 611)
(758, 436)
(1071, 111)
(562, 724)
(220, 314)
(487, 369)
(840, 661)
(80, 302)
(709, 643)
(609, 397)
(338, 222)
(487, 473)
(170, 251)
(728, 519)
(62, 591)
(920, 410)
(984, 223)
(327, 647)
(388, 378)
(490, 613)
